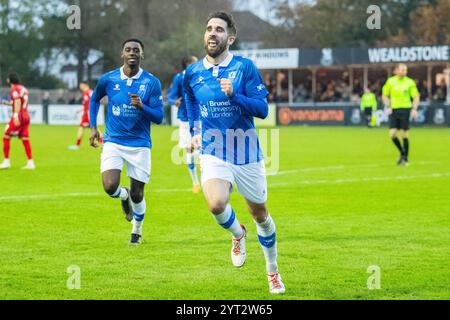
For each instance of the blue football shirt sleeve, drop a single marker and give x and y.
(98, 94)
(254, 100)
(175, 90)
(192, 105)
(153, 107)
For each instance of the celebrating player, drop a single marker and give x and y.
(134, 102)
(176, 97)
(223, 95)
(87, 93)
(19, 125)
(397, 94)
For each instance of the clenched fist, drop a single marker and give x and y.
(226, 85)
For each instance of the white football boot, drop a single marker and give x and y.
(5, 165)
(30, 165)
(238, 254)
(276, 285)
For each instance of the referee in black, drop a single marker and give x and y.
(400, 94)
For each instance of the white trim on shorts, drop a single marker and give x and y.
(137, 160)
(250, 179)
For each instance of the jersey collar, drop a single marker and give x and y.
(225, 63)
(135, 77)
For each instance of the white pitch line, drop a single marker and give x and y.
(76, 195)
(357, 180)
(342, 167)
(282, 184)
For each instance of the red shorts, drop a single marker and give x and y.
(21, 131)
(85, 121)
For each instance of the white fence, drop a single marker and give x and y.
(61, 115)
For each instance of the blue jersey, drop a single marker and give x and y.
(126, 125)
(175, 92)
(226, 123)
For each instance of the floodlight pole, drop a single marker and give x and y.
(291, 86)
(366, 77)
(350, 80)
(429, 81)
(314, 83)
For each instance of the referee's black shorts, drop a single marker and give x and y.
(368, 111)
(399, 119)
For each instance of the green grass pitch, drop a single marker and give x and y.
(340, 204)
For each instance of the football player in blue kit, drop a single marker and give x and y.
(223, 95)
(134, 102)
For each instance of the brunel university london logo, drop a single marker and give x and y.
(204, 110)
(116, 110)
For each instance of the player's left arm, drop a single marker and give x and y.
(153, 106)
(254, 100)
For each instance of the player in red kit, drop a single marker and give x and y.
(87, 93)
(20, 122)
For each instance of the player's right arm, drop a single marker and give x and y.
(192, 107)
(98, 94)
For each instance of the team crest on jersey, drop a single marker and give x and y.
(117, 87)
(204, 110)
(232, 75)
(116, 110)
(260, 87)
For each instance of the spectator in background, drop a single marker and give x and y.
(301, 93)
(440, 93)
(271, 86)
(329, 95)
(61, 100)
(357, 88)
(72, 100)
(46, 99)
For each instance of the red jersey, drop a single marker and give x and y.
(18, 91)
(87, 100)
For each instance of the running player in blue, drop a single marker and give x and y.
(175, 97)
(223, 95)
(134, 102)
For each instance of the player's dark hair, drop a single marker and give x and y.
(14, 78)
(133, 40)
(187, 61)
(228, 18)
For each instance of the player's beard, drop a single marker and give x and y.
(218, 50)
